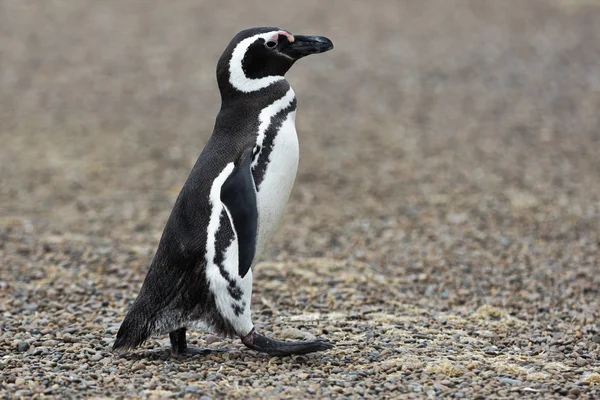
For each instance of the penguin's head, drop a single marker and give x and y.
(257, 57)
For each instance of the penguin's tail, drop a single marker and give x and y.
(134, 331)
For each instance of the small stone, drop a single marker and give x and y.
(211, 377)
(212, 339)
(596, 339)
(96, 357)
(293, 333)
(23, 347)
(311, 390)
(510, 381)
(138, 367)
(440, 387)
(19, 381)
(581, 362)
(575, 391)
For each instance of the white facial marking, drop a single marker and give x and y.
(237, 77)
(265, 117)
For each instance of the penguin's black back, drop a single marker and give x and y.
(175, 291)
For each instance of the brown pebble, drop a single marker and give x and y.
(138, 367)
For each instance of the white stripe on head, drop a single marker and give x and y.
(238, 78)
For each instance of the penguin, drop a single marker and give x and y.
(201, 274)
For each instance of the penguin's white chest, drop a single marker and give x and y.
(276, 186)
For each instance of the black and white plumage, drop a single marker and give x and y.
(231, 203)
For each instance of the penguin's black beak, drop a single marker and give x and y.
(305, 45)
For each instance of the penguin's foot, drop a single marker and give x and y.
(272, 347)
(179, 345)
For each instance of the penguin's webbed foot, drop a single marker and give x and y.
(272, 347)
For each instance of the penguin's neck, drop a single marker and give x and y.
(258, 99)
(246, 112)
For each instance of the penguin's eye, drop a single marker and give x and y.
(271, 44)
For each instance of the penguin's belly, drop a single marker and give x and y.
(276, 186)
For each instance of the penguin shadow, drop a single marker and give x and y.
(165, 354)
(147, 355)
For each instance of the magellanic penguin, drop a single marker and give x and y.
(230, 205)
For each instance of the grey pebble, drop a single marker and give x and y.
(581, 362)
(211, 377)
(510, 381)
(23, 347)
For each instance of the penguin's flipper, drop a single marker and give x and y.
(238, 193)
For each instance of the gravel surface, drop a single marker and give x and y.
(443, 232)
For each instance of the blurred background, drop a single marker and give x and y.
(438, 136)
(450, 162)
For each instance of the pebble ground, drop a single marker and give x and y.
(444, 229)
